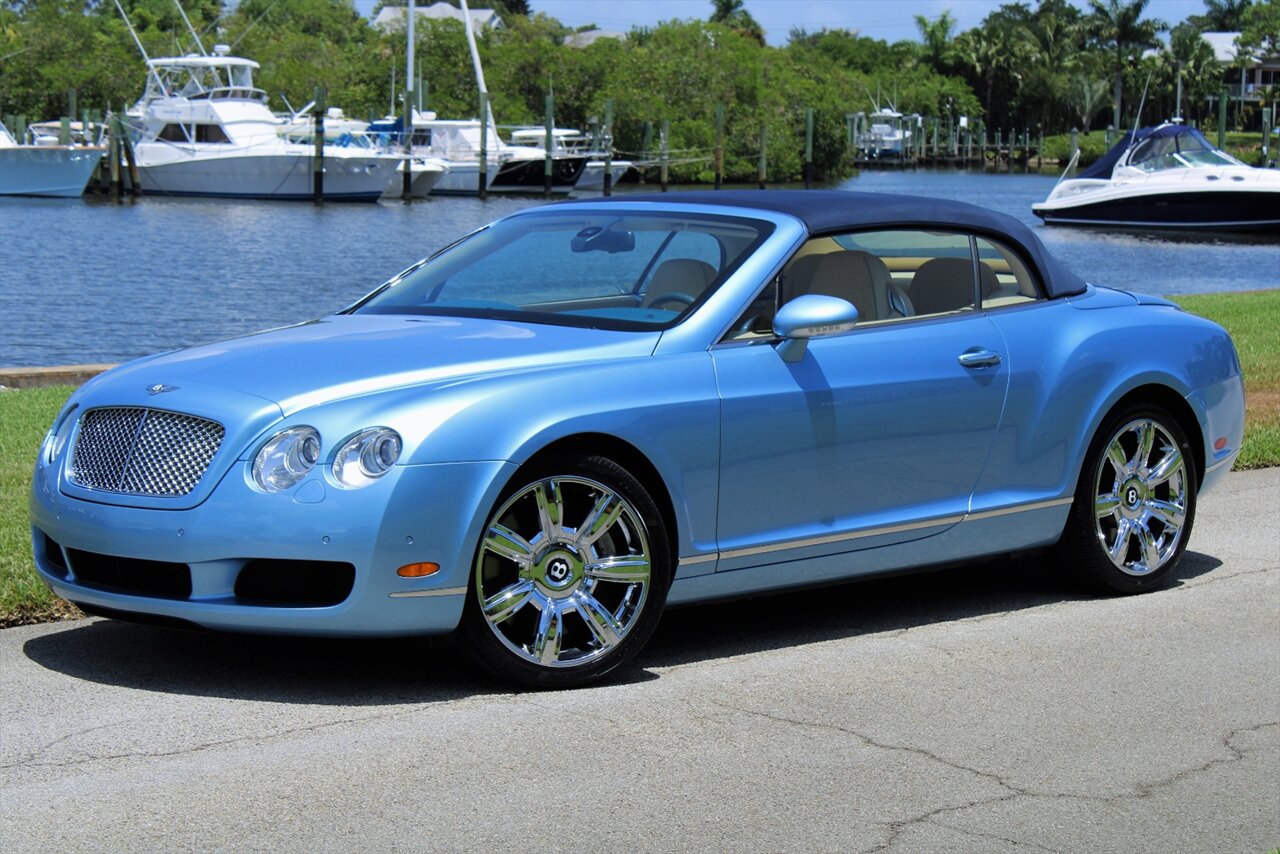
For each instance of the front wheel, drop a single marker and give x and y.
(1135, 502)
(570, 576)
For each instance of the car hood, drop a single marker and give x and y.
(344, 355)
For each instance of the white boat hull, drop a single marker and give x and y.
(39, 170)
(593, 175)
(168, 170)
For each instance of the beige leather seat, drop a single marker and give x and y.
(862, 279)
(944, 284)
(687, 276)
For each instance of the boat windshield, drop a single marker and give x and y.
(1177, 151)
(611, 270)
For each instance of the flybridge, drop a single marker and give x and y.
(202, 77)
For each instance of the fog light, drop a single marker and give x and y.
(418, 570)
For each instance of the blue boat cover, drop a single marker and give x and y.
(1103, 166)
(833, 211)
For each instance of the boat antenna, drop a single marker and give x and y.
(190, 28)
(487, 120)
(1137, 120)
(142, 50)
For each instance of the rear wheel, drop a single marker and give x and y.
(571, 574)
(1135, 502)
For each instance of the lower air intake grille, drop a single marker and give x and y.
(131, 575)
(138, 451)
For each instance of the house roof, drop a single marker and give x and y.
(587, 37)
(393, 16)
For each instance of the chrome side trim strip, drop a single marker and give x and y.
(837, 538)
(876, 532)
(441, 591)
(1018, 508)
(690, 561)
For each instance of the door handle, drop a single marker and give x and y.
(979, 358)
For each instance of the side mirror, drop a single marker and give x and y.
(811, 316)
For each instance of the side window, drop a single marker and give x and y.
(887, 275)
(173, 133)
(1003, 276)
(210, 133)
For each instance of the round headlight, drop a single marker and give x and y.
(286, 459)
(366, 456)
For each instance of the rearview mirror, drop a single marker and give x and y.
(597, 239)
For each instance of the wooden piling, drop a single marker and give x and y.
(1222, 117)
(317, 161)
(131, 162)
(763, 169)
(114, 156)
(808, 148)
(482, 165)
(664, 154)
(550, 141)
(608, 146)
(719, 161)
(406, 139)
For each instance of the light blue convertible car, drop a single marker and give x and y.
(549, 431)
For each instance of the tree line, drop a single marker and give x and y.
(1047, 67)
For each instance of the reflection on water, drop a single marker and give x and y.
(88, 281)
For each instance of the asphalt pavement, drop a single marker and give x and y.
(984, 708)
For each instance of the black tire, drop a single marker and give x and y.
(554, 619)
(1091, 547)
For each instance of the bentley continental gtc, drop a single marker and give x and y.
(546, 433)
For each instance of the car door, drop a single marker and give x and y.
(872, 437)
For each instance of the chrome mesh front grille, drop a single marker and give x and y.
(137, 451)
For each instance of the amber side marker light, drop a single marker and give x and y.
(418, 570)
(1220, 444)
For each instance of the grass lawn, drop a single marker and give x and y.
(25, 416)
(1252, 318)
(1243, 146)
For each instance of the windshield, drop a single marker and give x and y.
(617, 270)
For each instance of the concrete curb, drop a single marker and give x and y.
(41, 377)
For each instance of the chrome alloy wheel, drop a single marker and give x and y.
(1140, 503)
(564, 571)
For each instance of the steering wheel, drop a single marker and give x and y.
(677, 297)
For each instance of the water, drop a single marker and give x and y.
(88, 281)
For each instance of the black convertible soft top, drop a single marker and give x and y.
(828, 211)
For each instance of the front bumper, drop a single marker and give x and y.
(423, 513)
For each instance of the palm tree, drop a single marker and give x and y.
(1191, 59)
(936, 35)
(733, 15)
(1221, 16)
(1117, 27)
(1086, 97)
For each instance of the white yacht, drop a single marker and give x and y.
(887, 134)
(1166, 177)
(344, 132)
(570, 142)
(45, 170)
(455, 143)
(204, 130)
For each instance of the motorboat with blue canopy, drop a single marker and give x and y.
(1167, 177)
